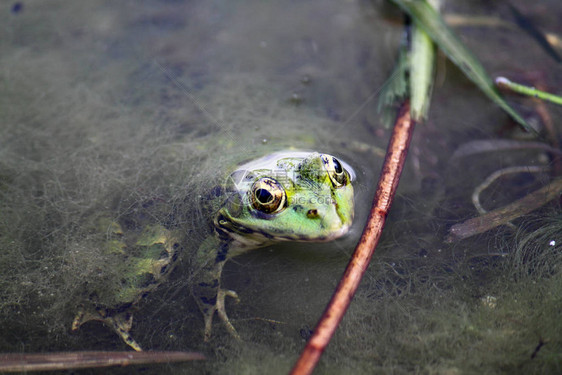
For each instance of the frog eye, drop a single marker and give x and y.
(337, 174)
(268, 196)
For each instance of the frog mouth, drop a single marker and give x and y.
(330, 236)
(258, 237)
(333, 234)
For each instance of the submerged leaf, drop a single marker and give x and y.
(430, 20)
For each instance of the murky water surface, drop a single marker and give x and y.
(104, 105)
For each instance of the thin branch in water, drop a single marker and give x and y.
(497, 174)
(505, 214)
(388, 182)
(24, 362)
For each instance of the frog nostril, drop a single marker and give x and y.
(313, 213)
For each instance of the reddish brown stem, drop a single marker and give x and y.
(388, 182)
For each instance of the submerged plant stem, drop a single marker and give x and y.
(22, 362)
(500, 173)
(507, 213)
(388, 183)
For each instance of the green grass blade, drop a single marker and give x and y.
(422, 56)
(428, 19)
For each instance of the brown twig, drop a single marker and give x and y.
(388, 182)
(507, 213)
(23, 362)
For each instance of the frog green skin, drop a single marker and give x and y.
(284, 196)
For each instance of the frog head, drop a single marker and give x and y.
(287, 196)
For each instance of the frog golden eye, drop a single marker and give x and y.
(337, 174)
(268, 196)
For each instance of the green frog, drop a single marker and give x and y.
(284, 196)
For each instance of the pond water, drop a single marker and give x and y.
(105, 106)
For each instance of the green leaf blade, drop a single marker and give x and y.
(421, 61)
(429, 20)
